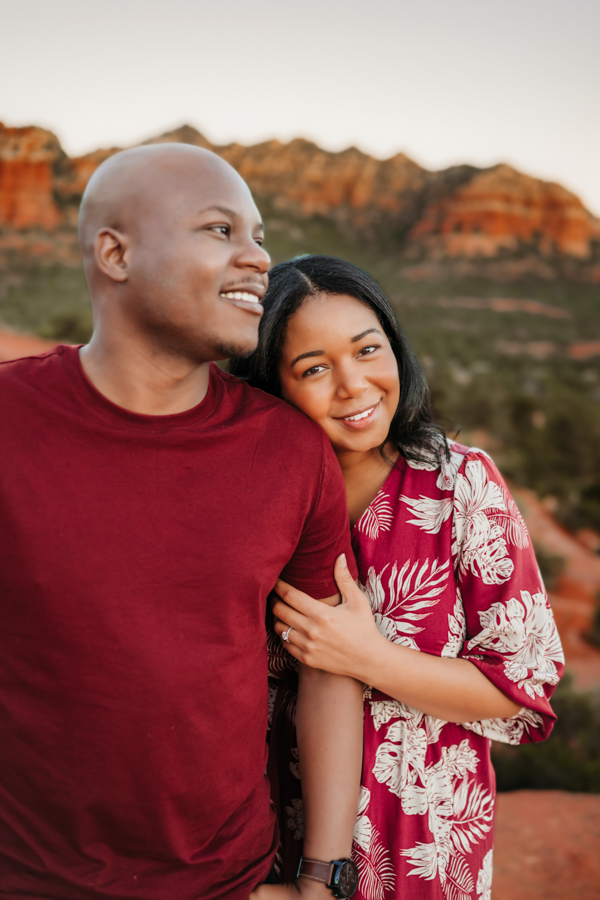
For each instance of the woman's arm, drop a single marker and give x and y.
(345, 641)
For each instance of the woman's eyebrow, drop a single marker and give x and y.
(322, 352)
(364, 333)
(306, 355)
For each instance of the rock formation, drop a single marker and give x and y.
(456, 220)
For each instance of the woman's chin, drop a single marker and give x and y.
(357, 443)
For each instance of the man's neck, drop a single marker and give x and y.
(144, 379)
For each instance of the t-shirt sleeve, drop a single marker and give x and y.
(326, 532)
(511, 635)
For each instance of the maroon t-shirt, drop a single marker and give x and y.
(137, 553)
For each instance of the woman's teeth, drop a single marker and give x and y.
(240, 295)
(362, 415)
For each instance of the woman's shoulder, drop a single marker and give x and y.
(442, 470)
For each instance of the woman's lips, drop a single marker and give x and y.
(362, 419)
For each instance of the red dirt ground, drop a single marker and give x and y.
(12, 345)
(547, 846)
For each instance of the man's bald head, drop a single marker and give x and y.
(137, 186)
(169, 233)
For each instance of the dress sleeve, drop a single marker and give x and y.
(326, 532)
(511, 635)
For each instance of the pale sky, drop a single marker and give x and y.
(445, 81)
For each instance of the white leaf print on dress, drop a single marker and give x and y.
(401, 757)
(484, 878)
(448, 468)
(377, 517)
(510, 730)
(479, 544)
(375, 870)
(424, 859)
(413, 590)
(430, 513)
(459, 881)
(460, 814)
(457, 629)
(513, 522)
(525, 634)
(384, 710)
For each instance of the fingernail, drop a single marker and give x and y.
(342, 560)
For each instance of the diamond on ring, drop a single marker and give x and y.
(286, 635)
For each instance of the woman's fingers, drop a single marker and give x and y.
(289, 615)
(297, 599)
(349, 589)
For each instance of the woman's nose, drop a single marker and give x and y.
(351, 382)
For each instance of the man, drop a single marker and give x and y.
(148, 503)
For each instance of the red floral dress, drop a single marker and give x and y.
(447, 564)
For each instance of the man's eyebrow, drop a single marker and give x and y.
(306, 355)
(364, 334)
(227, 212)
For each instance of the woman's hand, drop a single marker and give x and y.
(340, 639)
(344, 640)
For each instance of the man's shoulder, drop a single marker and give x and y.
(251, 402)
(28, 368)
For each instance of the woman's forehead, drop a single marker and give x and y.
(333, 313)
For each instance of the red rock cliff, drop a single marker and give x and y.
(27, 159)
(460, 213)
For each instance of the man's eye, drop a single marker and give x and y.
(221, 229)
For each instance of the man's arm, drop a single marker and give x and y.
(329, 728)
(329, 724)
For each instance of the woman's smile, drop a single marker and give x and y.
(360, 420)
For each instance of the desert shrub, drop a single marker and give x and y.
(590, 505)
(550, 565)
(569, 760)
(593, 635)
(69, 328)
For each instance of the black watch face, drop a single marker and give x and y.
(347, 880)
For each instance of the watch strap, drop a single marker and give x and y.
(316, 869)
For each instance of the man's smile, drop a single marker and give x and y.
(247, 298)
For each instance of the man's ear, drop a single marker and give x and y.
(112, 253)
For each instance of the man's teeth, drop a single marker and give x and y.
(240, 295)
(358, 416)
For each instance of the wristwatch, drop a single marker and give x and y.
(340, 875)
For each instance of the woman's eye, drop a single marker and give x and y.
(221, 229)
(370, 349)
(313, 370)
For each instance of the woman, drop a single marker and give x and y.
(458, 644)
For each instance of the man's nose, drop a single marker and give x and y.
(253, 256)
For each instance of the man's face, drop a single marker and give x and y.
(198, 270)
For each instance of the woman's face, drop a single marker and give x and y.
(338, 367)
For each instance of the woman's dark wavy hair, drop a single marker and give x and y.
(290, 285)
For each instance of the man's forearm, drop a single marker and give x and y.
(329, 725)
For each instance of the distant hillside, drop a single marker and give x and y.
(462, 221)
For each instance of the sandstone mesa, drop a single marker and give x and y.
(454, 221)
